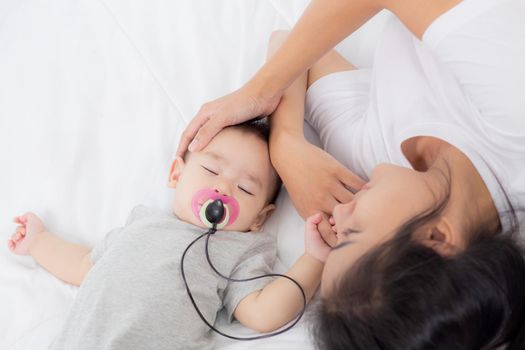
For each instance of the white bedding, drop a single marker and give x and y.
(93, 97)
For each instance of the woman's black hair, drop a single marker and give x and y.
(403, 295)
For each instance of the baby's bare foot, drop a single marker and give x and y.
(29, 227)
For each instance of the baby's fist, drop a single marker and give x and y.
(29, 227)
(314, 243)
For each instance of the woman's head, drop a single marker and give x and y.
(392, 197)
(404, 295)
(451, 190)
(409, 280)
(419, 265)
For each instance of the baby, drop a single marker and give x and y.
(131, 292)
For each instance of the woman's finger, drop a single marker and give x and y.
(328, 204)
(205, 134)
(351, 181)
(188, 134)
(342, 194)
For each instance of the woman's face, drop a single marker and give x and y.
(393, 196)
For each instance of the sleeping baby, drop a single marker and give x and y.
(131, 292)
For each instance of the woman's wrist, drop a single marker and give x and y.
(281, 134)
(281, 145)
(266, 85)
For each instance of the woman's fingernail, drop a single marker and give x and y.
(192, 145)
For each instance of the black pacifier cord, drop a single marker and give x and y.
(214, 213)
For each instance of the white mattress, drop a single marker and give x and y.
(93, 97)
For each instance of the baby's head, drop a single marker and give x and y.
(235, 167)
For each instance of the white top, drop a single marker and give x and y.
(464, 83)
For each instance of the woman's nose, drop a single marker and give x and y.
(344, 209)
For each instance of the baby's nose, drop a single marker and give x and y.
(222, 189)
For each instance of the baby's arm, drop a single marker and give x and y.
(68, 261)
(280, 301)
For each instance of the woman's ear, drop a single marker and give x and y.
(176, 170)
(443, 238)
(261, 218)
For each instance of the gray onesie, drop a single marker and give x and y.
(134, 298)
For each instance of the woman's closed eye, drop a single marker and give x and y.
(346, 233)
(349, 232)
(210, 170)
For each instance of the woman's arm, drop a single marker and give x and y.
(323, 182)
(280, 301)
(323, 24)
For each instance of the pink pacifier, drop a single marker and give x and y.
(204, 197)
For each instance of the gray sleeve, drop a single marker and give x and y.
(137, 212)
(102, 246)
(255, 261)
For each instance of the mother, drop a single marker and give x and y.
(423, 259)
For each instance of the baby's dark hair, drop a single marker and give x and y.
(260, 127)
(404, 295)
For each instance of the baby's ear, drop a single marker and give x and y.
(261, 218)
(175, 172)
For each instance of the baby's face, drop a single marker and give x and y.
(235, 167)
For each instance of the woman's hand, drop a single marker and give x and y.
(315, 181)
(249, 102)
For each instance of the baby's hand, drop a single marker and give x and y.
(29, 227)
(313, 242)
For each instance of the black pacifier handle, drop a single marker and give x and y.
(215, 212)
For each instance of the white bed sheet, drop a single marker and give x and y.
(93, 98)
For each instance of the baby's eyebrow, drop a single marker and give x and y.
(255, 180)
(216, 156)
